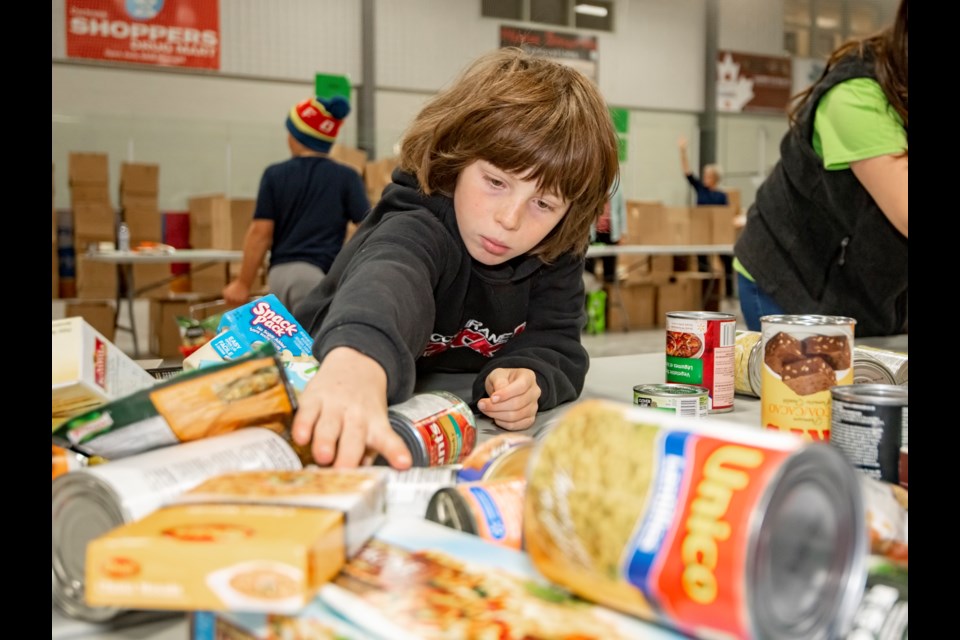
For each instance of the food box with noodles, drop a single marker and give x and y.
(260, 540)
(250, 391)
(236, 557)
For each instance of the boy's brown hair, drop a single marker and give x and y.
(521, 113)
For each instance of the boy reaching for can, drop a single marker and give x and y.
(471, 261)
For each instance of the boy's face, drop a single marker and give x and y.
(501, 215)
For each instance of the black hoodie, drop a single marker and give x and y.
(405, 291)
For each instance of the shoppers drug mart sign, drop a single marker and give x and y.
(170, 33)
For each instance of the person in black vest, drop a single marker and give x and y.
(827, 233)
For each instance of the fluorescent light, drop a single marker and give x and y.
(825, 22)
(591, 10)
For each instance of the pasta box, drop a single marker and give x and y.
(255, 541)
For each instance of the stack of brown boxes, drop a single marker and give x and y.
(139, 186)
(651, 286)
(218, 222)
(94, 221)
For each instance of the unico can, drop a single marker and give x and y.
(700, 350)
(713, 528)
(437, 427)
(804, 356)
(869, 426)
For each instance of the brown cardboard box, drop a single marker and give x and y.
(203, 210)
(722, 230)
(680, 294)
(733, 199)
(139, 178)
(95, 279)
(146, 225)
(99, 314)
(701, 225)
(96, 222)
(84, 193)
(377, 175)
(141, 201)
(355, 158)
(640, 216)
(636, 300)
(88, 168)
(165, 339)
(55, 272)
(151, 279)
(229, 224)
(208, 278)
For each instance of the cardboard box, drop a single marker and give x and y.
(203, 210)
(95, 279)
(151, 279)
(701, 225)
(99, 314)
(130, 200)
(139, 178)
(229, 224)
(353, 158)
(146, 224)
(631, 306)
(722, 228)
(88, 168)
(641, 216)
(680, 294)
(165, 338)
(94, 221)
(55, 272)
(89, 370)
(377, 175)
(208, 279)
(89, 193)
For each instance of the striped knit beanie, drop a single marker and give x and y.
(315, 122)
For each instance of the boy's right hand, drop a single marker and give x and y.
(236, 293)
(343, 409)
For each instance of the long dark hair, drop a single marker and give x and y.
(889, 50)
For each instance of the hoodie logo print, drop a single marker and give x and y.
(473, 336)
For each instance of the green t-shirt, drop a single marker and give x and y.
(853, 122)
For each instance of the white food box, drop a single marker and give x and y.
(89, 370)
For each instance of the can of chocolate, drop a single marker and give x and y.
(502, 456)
(748, 357)
(712, 528)
(90, 501)
(868, 426)
(894, 361)
(682, 399)
(804, 356)
(491, 509)
(437, 427)
(700, 351)
(869, 370)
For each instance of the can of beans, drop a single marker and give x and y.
(491, 509)
(748, 357)
(712, 528)
(804, 356)
(869, 425)
(682, 399)
(437, 427)
(700, 351)
(502, 456)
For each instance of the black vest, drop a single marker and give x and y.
(816, 241)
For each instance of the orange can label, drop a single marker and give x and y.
(497, 509)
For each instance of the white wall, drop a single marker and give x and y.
(216, 132)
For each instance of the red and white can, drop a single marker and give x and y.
(701, 351)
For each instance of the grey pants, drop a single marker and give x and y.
(292, 281)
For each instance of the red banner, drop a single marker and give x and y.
(170, 33)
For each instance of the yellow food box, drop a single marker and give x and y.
(222, 557)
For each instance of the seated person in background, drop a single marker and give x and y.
(827, 233)
(471, 261)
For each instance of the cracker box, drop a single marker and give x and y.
(89, 370)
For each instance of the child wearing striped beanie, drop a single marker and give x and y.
(315, 122)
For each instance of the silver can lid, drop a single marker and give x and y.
(867, 369)
(807, 568)
(701, 315)
(812, 320)
(84, 508)
(891, 394)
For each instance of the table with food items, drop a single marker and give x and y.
(669, 501)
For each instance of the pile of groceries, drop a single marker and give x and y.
(187, 495)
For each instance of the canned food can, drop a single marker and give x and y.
(714, 529)
(869, 370)
(804, 356)
(748, 359)
(682, 399)
(883, 611)
(91, 501)
(867, 426)
(700, 351)
(895, 361)
(502, 456)
(490, 509)
(437, 427)
(66, 460)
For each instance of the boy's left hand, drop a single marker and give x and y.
(512, 404)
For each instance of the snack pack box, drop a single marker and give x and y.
(89, 370)
(264, 320)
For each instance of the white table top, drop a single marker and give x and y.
(601, 250)
(177, 255)
(611, 377)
